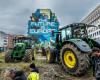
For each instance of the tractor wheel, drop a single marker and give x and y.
(8, 57)
(50, 56)
(73, 60)
(27, 56)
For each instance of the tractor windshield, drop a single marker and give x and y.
(79, 33)
(26, 40)
(66, 33)
(17, 47)
(75, 31)
(22, 40)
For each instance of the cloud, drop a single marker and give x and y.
(14, 14)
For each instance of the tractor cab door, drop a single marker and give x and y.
(58, 40)
(66, 33)
(58, 37)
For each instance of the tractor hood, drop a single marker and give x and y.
(20, 44)
(82, 45)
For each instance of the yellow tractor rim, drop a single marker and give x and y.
(69, 59)
(48, 55)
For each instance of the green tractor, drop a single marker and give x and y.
(73, 48)
(21, 51)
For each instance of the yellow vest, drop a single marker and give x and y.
(33, 76)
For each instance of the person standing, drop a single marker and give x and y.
(96, 63)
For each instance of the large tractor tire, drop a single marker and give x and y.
(28, 56)
(73, 60)
(50, 56)
(8, 57)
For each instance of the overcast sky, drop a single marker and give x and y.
(14, 14)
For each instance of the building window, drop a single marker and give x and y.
(5, 43)
(99, 26)
(97, 33)
(90, 35)
(93, 34)
(5, 40)
(89, 31)
(96, 28)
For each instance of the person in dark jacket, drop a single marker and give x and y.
(33, 67)
(34, 74)
(96, 63)
(15, 75)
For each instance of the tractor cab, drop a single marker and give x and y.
(76, 30)
(73, 31)
(19, 46)
(73, 47)
(26, 41)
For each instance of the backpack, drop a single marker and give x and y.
(19, 75)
